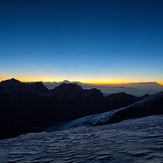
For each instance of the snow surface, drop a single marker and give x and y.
(135, 140)
(103, 118)
(86, 121)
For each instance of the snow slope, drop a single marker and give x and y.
(138, 109)
(135, 140)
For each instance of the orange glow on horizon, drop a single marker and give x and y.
(97, 83)
(107, 83)
(161, 83)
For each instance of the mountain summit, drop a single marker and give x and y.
(11, 83)
(14, 85)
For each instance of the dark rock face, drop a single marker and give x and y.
(32, 107)
(120, 98)
(75, 92)
(68, 87)
(67, 91)
(38, 87)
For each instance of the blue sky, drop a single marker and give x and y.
(82, 40)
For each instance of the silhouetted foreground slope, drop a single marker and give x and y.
(152, 105)
(32, 107)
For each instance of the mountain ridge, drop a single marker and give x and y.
(137, 88)
(31, 107)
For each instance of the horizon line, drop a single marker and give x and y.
(89, 83)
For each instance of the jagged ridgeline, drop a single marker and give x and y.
(31, 107)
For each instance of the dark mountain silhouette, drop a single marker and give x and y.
(38, 87)
(31, 107)
(13, 85)
(74, 91)
(67, 91)
(137, 89)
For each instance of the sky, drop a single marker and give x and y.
(92, 41)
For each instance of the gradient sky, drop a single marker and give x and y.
(111, 41)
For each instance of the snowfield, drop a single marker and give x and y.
(134, 140)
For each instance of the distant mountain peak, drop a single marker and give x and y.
(39, 87)
(11, 82)
(145, 85)
(66, 81)
(153, 82)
